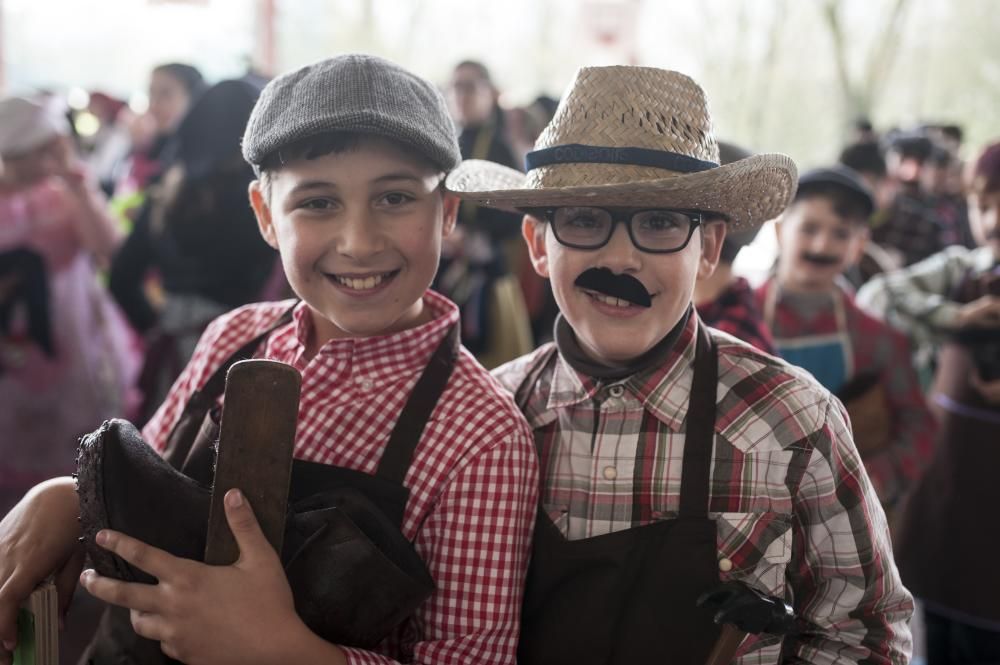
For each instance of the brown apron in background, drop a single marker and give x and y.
(950, 532)
(628, 597)
(191, 449)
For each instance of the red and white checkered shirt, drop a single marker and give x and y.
(796, 515)
(473, 481)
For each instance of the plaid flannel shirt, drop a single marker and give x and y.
(736, 312)
(796, 514)
(917, 300)
(876, 346)
(473, 480)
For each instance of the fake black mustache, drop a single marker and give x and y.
(624, 287)
(820, 259)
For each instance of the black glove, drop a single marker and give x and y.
(749, 610)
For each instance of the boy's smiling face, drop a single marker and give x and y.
(984, 219)
(359, 233)
(613, 334)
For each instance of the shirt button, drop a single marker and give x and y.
(366, 384)
(725, 565)
(610, 473)
(616, 391)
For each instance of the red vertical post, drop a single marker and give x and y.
(267, 54)
(3, 61)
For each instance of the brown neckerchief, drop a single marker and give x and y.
(570, 349)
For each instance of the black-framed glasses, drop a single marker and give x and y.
(657, 230)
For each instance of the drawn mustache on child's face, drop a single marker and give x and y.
(624, 287)
(820, 259)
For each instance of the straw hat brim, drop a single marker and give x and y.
(747, 192)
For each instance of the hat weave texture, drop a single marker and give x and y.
(649, 109)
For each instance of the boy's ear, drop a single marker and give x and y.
(262, 210)
(712, 236)
(858, 244)
(450, 211)
(533, 231)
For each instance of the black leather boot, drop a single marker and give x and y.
(124, 485)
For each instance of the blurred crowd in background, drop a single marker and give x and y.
(123, 234)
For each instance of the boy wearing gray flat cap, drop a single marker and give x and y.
(351, 153)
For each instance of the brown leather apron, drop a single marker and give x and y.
(628, 597)
(949, 533)
(191, 448)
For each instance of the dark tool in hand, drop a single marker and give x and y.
(740, 610)
(256, 441)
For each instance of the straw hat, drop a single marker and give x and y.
(634, 137)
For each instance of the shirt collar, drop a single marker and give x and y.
(381, 358)
(664, 389)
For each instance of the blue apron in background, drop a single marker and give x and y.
(827, 356)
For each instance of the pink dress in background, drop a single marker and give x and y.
(46, 403)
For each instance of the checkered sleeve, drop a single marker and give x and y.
(223, 337)
(851, 604)
(476, 544)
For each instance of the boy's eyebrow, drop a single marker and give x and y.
(329, 184)
(312, 184)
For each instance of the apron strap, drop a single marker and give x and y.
(216, 383)
(406, 434)
(185, 431)
(700, 435)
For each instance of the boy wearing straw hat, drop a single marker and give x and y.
(673, 456)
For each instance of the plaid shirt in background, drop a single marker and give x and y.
(796, 514)
(910, 227)
(876, 347)
(473, 481)
(736, 312)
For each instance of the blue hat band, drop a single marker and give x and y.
(577, 153)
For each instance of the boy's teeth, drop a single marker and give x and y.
(614, 302)
(361, 284)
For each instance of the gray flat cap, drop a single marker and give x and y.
(353, 93)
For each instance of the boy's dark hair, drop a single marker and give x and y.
(481, 70)
(912, 146)
(864, 158)
(188, 76)
(954, 132)
(734, 242)
(330, 143)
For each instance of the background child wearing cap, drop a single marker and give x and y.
(726, 301)
(674, 457)
(351, 152)
(67, 359)
(817, 326)
(951, 301)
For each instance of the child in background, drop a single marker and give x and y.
(817, 326)
(67, 360)
(950, 303)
